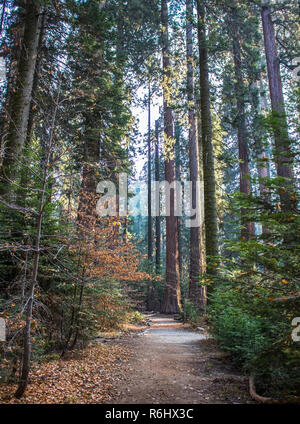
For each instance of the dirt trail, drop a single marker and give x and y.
(173, 364)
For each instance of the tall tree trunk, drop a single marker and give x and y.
(21, 192)
(150, 289)
(210, 203)
(245, 187)
(157, 218)
(150, 242)
(283, 158)
(27, 333)
(77, 312)
(37, 76)
(14, 56)
(197, 294)
(200, 151)
(263, 170)
(178, 178)
(86, 215)
(29, 304)
(172, 297)
(21, 97)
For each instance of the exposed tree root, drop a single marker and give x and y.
(257, 397)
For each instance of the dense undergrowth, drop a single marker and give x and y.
(256, 298)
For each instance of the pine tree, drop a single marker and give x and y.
(245, 187)
(196, 295)
(172, 297)
(210, 207)
(21, 95)
(157, 218)
(282, 142)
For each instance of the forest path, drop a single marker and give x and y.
(171, 363)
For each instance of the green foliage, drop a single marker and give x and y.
(136, 317)
(257, 330)
(92, 60)
(190, 312)
(252, 307)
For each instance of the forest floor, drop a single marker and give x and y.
(172, 363)
(163, 363)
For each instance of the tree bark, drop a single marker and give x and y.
(245, 187)
(86, 215)
(21, 192)
(178, 178)
(263, 169)
(283, 157)
(21, 96)
(150, 242)
(29, 307)
(172, 297)
(197, 293)
(210, 204)
(157, 218)
(37, 76)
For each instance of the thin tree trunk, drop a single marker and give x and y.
(201, 178)
(197, 294)
(21, 97)
(150, 290)
(283, 158)
(172, 297)
(150, 242)
(245, 187)
(29, 307)
(21, 192)
(27, 334)
(37, 77)
(210, 204)
(178, 178)
(157, 218)
(79, 308)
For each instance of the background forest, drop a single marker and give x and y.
(218, 83)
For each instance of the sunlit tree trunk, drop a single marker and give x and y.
(263, 169)
(150, 238)
(197, 293)
(178, 178)
(21, 96)
(21, 192)
(157, 218)
(172, 298)
(37, 76)
(282, 142)
(210, 204)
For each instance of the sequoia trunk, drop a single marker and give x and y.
(197, 293)
(172, 298)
